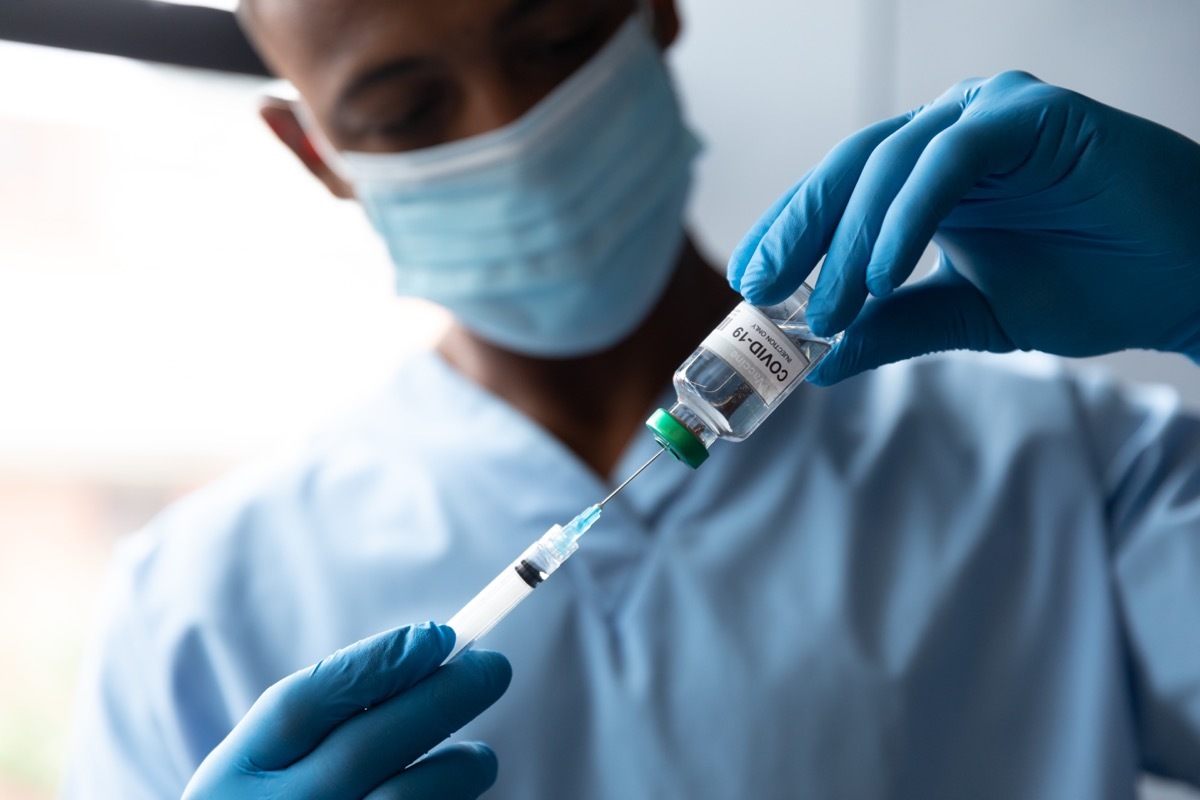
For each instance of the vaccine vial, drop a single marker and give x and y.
(738, 375)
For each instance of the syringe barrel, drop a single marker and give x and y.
(514, 583)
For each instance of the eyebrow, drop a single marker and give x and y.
(515, 13)
(376, 76)
(519, 10)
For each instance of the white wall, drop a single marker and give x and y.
(772, 85)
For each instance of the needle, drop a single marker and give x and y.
(617, 490)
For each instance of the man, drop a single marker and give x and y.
(942, 579)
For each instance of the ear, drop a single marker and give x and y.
(280, 116)
(666, 21)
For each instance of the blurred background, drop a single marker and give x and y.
(176, 296)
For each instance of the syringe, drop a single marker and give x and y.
(520, 578)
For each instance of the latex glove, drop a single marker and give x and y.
(1063, 225)
(351, 726)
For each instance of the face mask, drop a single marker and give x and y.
(555, 235)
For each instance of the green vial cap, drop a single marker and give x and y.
(677, 439)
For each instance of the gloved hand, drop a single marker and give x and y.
(352, 725)
(1063, 225)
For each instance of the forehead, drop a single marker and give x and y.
(296, 36)
(310, 23)
(292, 32)
(320, 44)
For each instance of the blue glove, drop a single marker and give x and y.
(1063, 225)
(352, 725)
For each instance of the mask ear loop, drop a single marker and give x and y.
(284, 91)
(325, 149)
(280, 89)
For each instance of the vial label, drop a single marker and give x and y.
(758, 351)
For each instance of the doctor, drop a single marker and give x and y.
(946, 578)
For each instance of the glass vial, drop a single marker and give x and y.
(737, 376)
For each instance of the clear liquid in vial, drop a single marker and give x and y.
(723, 399)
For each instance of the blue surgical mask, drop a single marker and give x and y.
(555, 235)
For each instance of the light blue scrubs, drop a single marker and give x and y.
(944, 579)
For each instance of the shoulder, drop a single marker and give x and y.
(1016, 390)
(247, 549)
(975, 411)
(959, 380)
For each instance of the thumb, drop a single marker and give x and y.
(293, 716)
(941, 312)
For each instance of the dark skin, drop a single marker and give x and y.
(395, 75)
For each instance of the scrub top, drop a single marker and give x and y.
(954, 577)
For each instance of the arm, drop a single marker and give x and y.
(1148, 455)
(122, 742)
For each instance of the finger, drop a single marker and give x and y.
(736, 268)
(842, 287)
(941, 312)
(978, 145)
(378, 744)
(455, 772)
(294, 715)
(795, 234)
